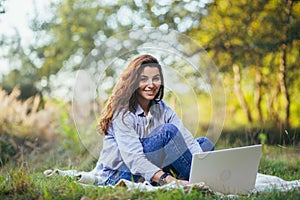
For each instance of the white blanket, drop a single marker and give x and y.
(263, 182)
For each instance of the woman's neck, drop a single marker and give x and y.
(145, 106)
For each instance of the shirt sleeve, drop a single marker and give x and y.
(131, 148)
(192, 144)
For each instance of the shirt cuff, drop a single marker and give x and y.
(148, 176)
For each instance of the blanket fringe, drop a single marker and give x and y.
(263, 183)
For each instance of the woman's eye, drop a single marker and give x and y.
(156, 79)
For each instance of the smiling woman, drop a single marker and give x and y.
(144, 138)
(149, 86)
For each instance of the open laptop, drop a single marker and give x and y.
(229, 171)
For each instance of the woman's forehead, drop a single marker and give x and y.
(150, 70)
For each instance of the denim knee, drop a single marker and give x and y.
(159, 137)
(170, 129)
(205, 144)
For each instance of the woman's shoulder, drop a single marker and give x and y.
(123, 114)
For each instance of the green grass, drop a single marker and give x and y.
(282, 162)
(25, 180)
(23, 184)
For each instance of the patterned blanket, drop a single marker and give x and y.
(263, 182)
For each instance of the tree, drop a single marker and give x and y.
(24, 76)
(2, 9)
(79, 26)
(256, 39)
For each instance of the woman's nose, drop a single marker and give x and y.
(150, 82)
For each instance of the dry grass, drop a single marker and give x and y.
(26, 118)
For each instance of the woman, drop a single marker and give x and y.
(144, 138)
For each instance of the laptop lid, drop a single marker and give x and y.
(227, 171)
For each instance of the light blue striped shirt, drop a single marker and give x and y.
(122, 144)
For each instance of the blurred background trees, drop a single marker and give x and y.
(255, 45)
(2, 9)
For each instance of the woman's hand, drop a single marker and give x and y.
(182, 182)
(170, 179)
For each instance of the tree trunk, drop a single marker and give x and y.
(258, 93)
(274, 117)
(283, 85)
(239, 93)
(283, 65)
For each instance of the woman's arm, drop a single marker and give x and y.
(130, 147)
(132, 153)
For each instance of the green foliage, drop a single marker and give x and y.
(247, 33)
(67, 127)
(24, 81)
(7, 150)
(79, 26)
(263, 138)
(250, 34)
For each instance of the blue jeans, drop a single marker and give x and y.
(165, 147)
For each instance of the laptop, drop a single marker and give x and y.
(229, 171)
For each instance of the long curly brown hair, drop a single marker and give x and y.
(124, 93)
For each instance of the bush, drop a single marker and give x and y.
(25, 118)
(32, 125)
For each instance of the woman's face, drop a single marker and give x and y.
(149, 84)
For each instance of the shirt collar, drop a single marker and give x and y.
(139, 111)
(153, 108)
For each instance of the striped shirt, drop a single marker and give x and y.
(122, 143)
